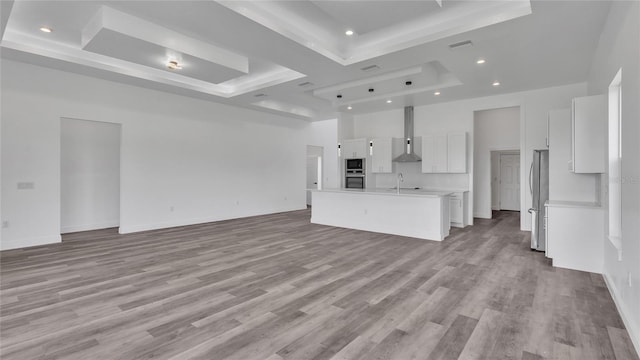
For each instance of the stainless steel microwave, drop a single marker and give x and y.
(354, 164)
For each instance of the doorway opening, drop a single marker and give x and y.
(614, 213)
(505, 180)
(89, 175)
(314, 170)
(496, 131)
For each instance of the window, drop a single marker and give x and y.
(615, 162)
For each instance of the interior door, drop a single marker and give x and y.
(510, 182)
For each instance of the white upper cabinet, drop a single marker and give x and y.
(444, 153)
(588, 125)
(354, 148)
(457, 152)
(381, 155)
(434, 154)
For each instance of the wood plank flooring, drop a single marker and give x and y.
(279, 288)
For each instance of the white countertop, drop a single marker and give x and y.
(580, 204)
(390, 192)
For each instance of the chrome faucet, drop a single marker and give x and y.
(399, 179)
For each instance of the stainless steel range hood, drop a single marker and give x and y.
(408, 155)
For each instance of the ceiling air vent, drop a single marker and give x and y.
(306, 83)
(370, 68)
(460, 45)
(260, 95)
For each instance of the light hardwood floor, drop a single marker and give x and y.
(277, 287)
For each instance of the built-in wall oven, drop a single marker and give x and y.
(354, 174)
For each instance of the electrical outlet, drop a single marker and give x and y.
(26, 186)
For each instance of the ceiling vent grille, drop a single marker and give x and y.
(260, 95)
(305, 84)
(370, 68)
(460, 45)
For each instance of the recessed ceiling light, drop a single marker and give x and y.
(436, 93)
(348, 32)
(173, 65)
(46, 29)
(349, 108)
(481, 61)
(389, 101)
(496, 83)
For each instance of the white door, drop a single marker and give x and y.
(510, 182)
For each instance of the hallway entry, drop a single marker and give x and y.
(89, 175)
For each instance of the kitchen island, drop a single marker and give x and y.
(414, 213)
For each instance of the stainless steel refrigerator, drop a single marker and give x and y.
(539, 187)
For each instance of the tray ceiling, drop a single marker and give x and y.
(294, 57)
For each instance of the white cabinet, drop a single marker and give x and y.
(458, 203)
(434, 154)
(381, 155)
(575, 235)
(588, 125)
(457, 152)
(354, 148)
(444, 153)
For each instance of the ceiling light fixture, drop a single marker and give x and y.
(481, 61)
(349, 108)
(389, 101)
(173, 65)
(496, 83)
(46, 29)
(436, 93)
(349, 32)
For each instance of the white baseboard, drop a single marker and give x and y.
(28, 242)
(87, 227)
(634, 333)
(127, 229)
(482, 215)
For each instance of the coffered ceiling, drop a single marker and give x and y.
(311, 59)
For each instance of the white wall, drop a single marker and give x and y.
(89, 175)
(204, 160)
(495, 129)
(619, 47)
(458, 116)
(563, 184)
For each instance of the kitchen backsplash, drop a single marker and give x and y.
(413, 177)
